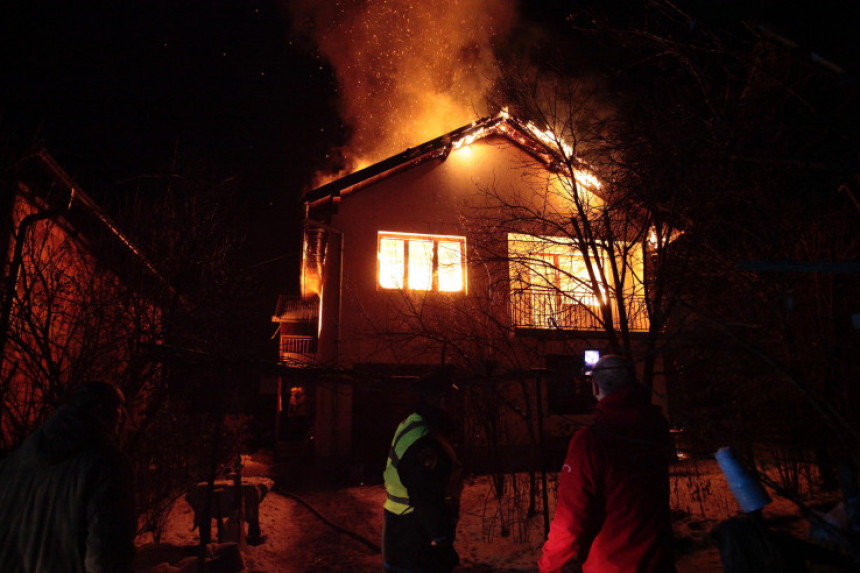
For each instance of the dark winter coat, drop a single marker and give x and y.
(612, 514)
(67, 501)
(422, 541)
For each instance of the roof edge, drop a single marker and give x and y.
(500, 124)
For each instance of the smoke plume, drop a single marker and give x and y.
(407, 70)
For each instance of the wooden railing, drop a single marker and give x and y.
(298, 349)
(298, 318)
(298, 345)
(297, 309)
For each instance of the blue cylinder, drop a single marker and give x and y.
(749, 494)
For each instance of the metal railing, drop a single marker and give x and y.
(550, 310)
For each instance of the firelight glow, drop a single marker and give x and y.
(582, 177)
(421, 262)
(406, 71)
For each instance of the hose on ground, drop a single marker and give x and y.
(363, 540)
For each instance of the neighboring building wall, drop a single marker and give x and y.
(73, 317)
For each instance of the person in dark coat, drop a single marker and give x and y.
(66, 494)
(423, 482)
(612, 514)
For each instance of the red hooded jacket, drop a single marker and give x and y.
(612, 513)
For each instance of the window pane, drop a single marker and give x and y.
(572, 278)
(578, 285)
(450, 266)
(391, 263)
(420, 265)
(544, 274)
(544, 290)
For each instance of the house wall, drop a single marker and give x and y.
(72, 319)
(364, 325)
(331, 300)
(441, 197)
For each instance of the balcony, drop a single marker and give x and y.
(299, 321)
(298, 349)
(297, 309)
(549, 310)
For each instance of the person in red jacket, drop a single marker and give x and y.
(612, 513)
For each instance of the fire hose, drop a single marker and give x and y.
(361, 539)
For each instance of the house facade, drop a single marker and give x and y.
(458, 253)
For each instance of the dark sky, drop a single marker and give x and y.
(113, 87)
(117, 86)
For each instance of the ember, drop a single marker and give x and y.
(407, 72)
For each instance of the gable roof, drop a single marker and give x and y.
(541, 145)
(54, 194)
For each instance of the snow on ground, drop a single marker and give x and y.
(338, 530)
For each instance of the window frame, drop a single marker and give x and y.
(434, 280)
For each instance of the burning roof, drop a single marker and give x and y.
(541, 144)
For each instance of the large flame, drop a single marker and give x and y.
(407, 71)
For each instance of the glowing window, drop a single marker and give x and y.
(422, 262)
(391, 263)
(450, 266)
(552, 288)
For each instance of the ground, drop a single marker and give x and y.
(337, 530)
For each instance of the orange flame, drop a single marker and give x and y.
(407, 71)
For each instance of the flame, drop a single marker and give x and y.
(586, 179)
(654, 241)
(554, 141)
(547, 136)
(551, 139)
(407, 260)
(470, 139)
(407, 72)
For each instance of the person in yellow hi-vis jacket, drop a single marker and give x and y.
(423, 480)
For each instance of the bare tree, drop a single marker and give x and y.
(706, 146)
(192, 225)
(74, 314)
(741, 145)
(86, 302)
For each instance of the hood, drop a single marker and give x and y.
(66, 434)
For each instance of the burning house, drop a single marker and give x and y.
(460, 252)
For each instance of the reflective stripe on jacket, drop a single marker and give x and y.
(408, 432)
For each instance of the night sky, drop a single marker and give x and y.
(113, 89)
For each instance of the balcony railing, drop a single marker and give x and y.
(549, 310)
(297, 309)
(298, 318)
(298, 349)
